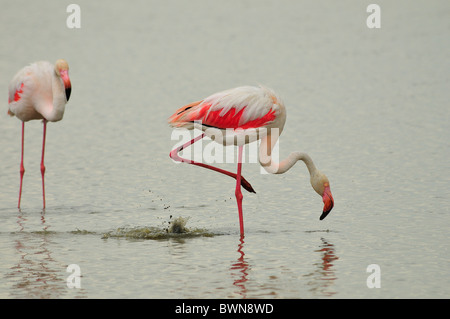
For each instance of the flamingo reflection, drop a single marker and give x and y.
(241, 266)
(323, 276)
(36, 274)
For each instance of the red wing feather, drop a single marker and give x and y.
(197, 112)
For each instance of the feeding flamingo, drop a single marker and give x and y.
(239, 116)
(39, 91)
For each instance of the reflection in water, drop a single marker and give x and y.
(322, 278)
(320, 281)
(241, 266)
(36, 274)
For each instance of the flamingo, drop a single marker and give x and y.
(239, 116)
(39, 91)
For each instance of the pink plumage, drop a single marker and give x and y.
(239, 108)
(252, 113)
(39, 91)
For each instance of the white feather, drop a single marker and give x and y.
(257, 101)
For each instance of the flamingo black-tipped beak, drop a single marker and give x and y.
(67, 84)
(327, 201)
(324, 214)
(68, 90)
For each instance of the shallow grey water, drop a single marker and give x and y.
(369, 106)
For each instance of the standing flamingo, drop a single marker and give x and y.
(239, 116)
(39, 91)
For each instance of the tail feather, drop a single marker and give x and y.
(183, 116)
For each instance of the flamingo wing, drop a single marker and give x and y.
(28, 88)
(16, 92)
(22, 83)
(243, 107)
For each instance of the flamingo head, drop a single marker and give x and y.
(321, 185)
(62, 70)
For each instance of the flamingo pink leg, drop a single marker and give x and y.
(22, 168)
(42, 162)
(174, 155)
(238, 192)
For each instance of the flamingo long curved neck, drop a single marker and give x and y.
(53, 109)
(59, 100)
(265, 158)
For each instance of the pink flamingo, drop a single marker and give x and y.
(239, 116)
(39, 91)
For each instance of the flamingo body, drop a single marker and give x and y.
(39, 91)
(241, 108)
(252, 111)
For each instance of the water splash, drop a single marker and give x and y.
(178, 225)
(176, 229)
